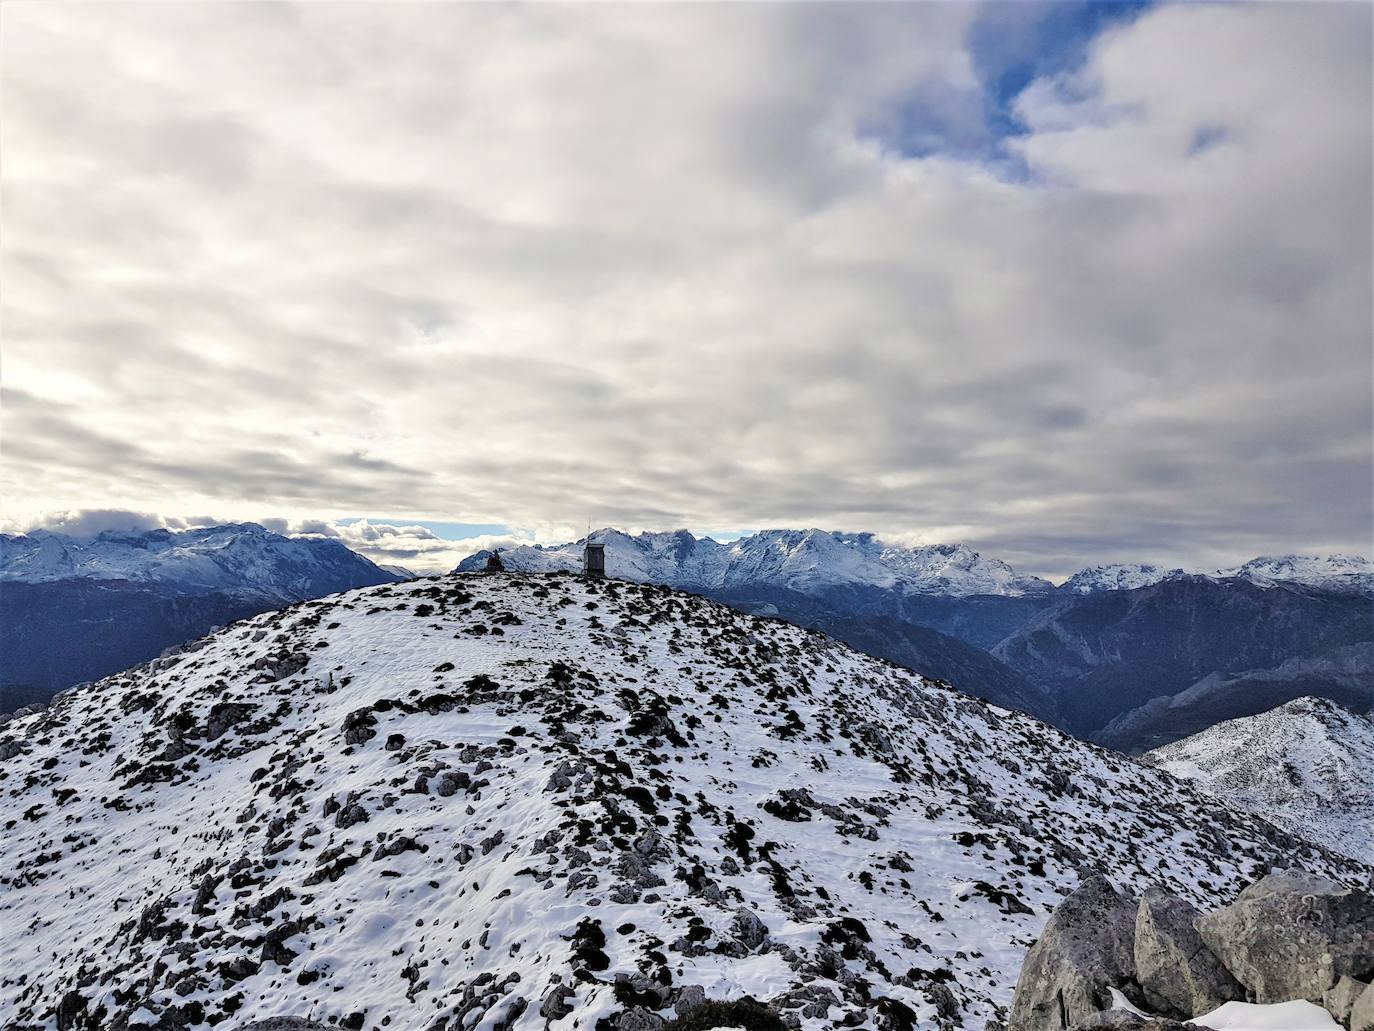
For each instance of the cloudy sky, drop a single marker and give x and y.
(1066, 283)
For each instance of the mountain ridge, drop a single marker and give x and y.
(592, 801)
(1304, 765)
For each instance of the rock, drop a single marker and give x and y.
(1111, 1020)
(691, 996)
(1179, 975)
(1362, 1013)
(1125, 1020)
(1087, 947)
(350, 815)
(1293, 935)
(555, 1005)
(451, 781)
(749, 929)
(285, 1024)
(70, 1010)
(1340, 1000)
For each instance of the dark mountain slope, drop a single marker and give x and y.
(1343, 675)
(1103, 654)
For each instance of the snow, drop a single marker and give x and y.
(1304, 766)
(1117, 577)
(219, 828)
(1297, 1015)
(815, 561)
(1332, 572)
(1120, 1002)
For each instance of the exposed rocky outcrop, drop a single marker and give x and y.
(1293, 935)
(1087, 949)
(1290, 935)
(1340, 999)
(1178, 974)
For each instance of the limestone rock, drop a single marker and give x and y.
(1179, 975)
(1293, 935)
(1340, 1000)
(1362, 1013)
(1088, 947)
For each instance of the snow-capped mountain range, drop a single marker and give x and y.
(235, 556)
(1331, 572)
(822, 560)
(803, 560)
(1305, 766)
(542, 802)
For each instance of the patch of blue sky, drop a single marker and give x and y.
(1011, 43)
(1205, 137)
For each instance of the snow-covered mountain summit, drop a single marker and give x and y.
(809, 561)
(1123, 576)
(530, 802)
(234, 556)
(1305, 765)
(1335, 572)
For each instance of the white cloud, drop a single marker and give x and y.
(661, 266)
(90, 522)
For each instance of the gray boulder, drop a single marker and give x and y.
(1362, 1013)
(1340, 1000)
(1088, 947)
(286, 1024)
(1178, 974)
(1293, 935)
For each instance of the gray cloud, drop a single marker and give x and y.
(669, 266)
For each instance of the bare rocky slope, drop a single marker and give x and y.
(520, 801)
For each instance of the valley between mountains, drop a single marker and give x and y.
(529, 801)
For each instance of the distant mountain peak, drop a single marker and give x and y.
(1336, 571)
(1117, 576)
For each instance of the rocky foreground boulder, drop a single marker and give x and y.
(1178, 974)
(1087, 948)
(1294, 935)
(1290, 935)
